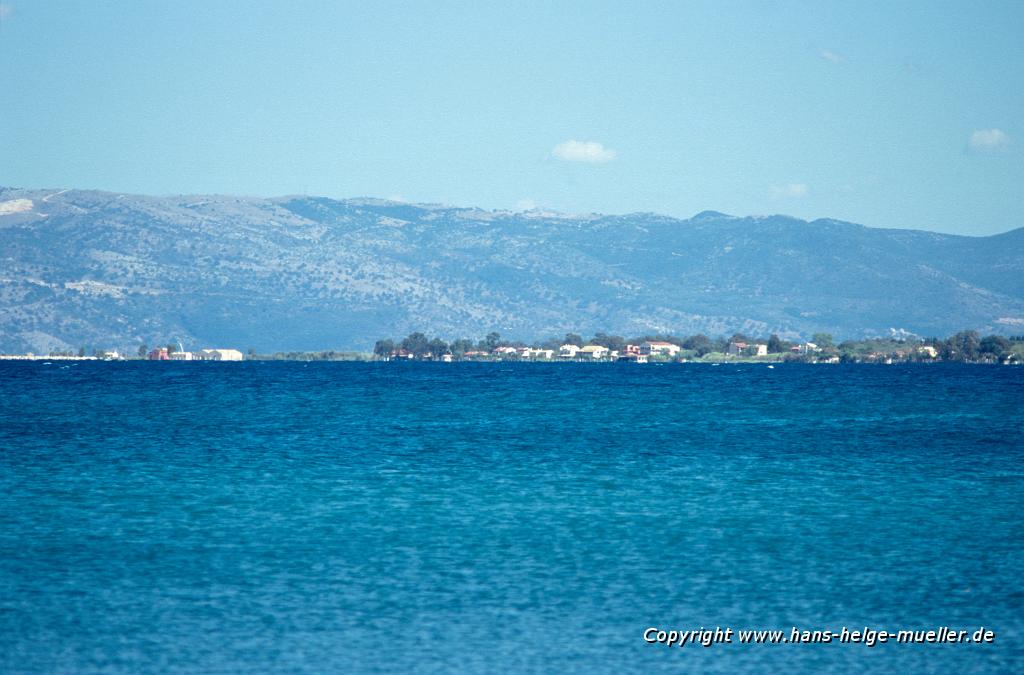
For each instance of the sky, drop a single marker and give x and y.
(891, 114)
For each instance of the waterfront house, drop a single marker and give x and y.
(657, 347)
(809, 348)
(181, 356)
(532, 353)
(592, 353)
(158, 354)
(568, 351)
(744, 349)
(218, 355)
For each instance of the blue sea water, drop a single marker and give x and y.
(341, 517)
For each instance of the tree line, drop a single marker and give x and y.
(966, 345)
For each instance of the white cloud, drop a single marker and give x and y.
(789, 191)
(831, 56)
(583, 151)
(989, 140)
(526, 204)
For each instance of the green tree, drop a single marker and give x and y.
(438, 348)
(995, 345)
(416, 344)
(823, 340)
(965, 345)
(143, 350)
(699, 343)
(775, 345)
(171, 348)
(573, 339)
(492, 341)
(383, 348)
(947, 350)
(847, 348)
(461, 346)
(551, 343)
(613, 342)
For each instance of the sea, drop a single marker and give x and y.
(509, 517)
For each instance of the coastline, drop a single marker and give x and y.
(368, 358)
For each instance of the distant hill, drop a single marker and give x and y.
(94, 268)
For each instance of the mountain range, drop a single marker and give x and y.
(83, 267)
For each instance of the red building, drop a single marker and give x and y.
(159, 354)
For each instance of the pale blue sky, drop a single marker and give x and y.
(892, 114)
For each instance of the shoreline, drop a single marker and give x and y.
(21, 358)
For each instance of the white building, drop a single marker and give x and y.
(654, 347)
(592, 352)
(567, 351)
(531, 353)
(181, 356)
(218, 355)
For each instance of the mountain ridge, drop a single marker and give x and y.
(304, 272)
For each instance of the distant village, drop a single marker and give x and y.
(642, 353)
(169, 353)
(965, 346)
